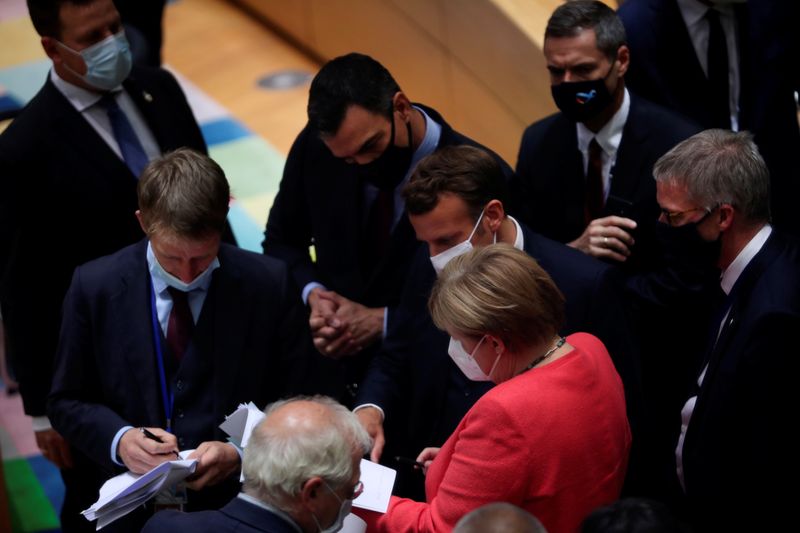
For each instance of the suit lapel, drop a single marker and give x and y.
(627, 171)
(131, 315)
(149, 107)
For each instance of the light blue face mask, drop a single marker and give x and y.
(158, 271)
(108, 62)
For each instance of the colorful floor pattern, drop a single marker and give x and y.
(253, 168)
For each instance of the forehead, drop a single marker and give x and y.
(358, 126)
(450, 214)
(179, 246)
(80, 21)
(673, 196)
(568, 51)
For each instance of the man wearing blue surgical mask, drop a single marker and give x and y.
(421, 384)
(77, 148)
(584, 174)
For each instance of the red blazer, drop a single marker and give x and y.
(553, 441)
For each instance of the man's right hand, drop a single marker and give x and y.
(141, 454)
(372, 421)
(607, 238)
(54, 448)
(328, 332)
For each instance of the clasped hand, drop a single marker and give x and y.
(341, 327)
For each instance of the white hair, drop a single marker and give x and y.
(278, 462)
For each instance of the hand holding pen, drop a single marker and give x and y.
(141, 449)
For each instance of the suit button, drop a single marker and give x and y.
(179, 385)
(181, 442)
(180, 413)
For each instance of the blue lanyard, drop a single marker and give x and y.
(167, 395)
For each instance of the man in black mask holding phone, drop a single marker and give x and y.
(340, 192)
(584, 175)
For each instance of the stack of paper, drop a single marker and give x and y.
(122, 494)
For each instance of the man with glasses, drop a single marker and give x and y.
(301, 469)
(735, 450)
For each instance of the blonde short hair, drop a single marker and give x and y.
(501, 291)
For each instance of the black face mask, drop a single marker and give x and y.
(582, 100)
(685, 245)
(389, 169)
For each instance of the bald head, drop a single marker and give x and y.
(299, 439)
(499, 517)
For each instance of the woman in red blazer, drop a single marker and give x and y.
(552, 437)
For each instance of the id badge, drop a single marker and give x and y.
(171, 498)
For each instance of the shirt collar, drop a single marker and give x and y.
(731, 274)
(430, 141)
(610, 135)
(160, 286)
(694, 11)
(80, 98)
(270, 508)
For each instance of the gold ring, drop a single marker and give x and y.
(605, 241)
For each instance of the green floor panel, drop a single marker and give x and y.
(30, 508)
(251, 165)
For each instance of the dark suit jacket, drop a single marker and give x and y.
(740, 459)
(237, 516)
(67, 198)
(319, 203)
(768, 45)
(247, 346)
(550, 179)
(410, 375)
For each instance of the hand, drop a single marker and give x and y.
(364, 325)
(372, 421)
(325, 327)
(54, 448)
(607, 238)
(426, 457)
(141, 454)
(216, 461)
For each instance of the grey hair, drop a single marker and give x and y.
(720, 167)
(499, 517)
(277, 463)
(571, 18)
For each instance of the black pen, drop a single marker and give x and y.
(409, 462)
(150, 435)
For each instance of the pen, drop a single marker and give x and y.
(148, 434)
(410, 462)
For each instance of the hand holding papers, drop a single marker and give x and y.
(122, 494)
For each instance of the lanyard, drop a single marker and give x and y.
(167, 395)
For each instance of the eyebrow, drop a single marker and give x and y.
(366, 145)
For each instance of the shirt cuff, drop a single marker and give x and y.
(363, 405)
(41, 423)
(310, 287)
(115, 444)
(385, 321)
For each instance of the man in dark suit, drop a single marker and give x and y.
(455, 201)
(301, 468)
(584, 174)
(759, 46)
(340, 192)
(62, 152)
(172, 333)
(736, 454)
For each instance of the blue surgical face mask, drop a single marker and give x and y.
(158, 271)
(108, 63)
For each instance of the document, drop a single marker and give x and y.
(123, 493)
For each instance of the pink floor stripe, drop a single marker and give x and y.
(18, 426)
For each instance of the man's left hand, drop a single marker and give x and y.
(364, 324)
(216, 461)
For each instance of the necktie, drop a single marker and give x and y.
(181, 324)
(132, 151)
(594, 183)
(718, 71)
(378, 229)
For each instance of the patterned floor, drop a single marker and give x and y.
(253, 168)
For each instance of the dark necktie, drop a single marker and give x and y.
(594, 183)
(132, 151)
(718, 71)
(181, 324)
(378, 229)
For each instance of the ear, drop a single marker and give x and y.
(51, 48)
(141, 221)
(726, 215)
(402, 105)
(497, 344)
(311, 492)
(494, 213)
(623, 60)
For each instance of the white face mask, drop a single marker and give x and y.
(176, 283)
(466, 361)
(344, 510)
(440, 260)
(108, 62)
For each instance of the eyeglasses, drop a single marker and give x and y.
(673, 216)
